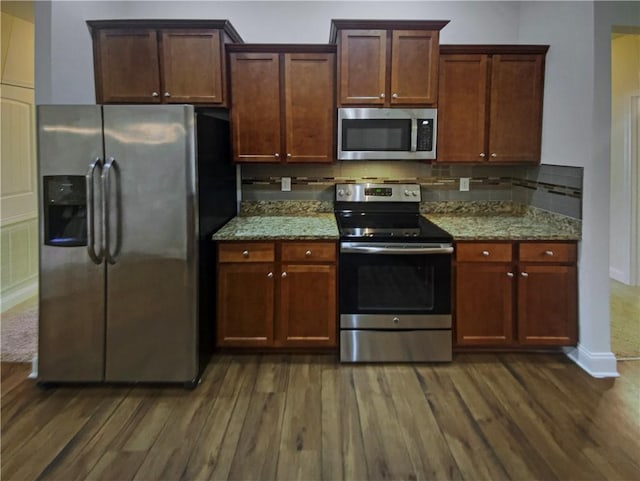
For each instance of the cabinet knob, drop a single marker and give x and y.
(155, 94)
(276, 155)
(394, 96)
(382, 96)
(308, 253)
(288, 156)
(548, 253)
(483, 155)
(485, 253)
(509, 274)
(245, 253)
(524, 274)
(494, 155)
(396, 320)
(167, 94)
(270, 275)
(283, 275)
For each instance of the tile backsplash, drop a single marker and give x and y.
(550, 187)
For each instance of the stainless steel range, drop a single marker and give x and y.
(395, 276)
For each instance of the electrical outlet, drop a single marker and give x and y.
(285, 184)
(464, 184)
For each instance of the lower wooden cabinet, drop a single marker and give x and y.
(276, 294)
(516, 294)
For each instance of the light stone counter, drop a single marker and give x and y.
(264, 227)
(530, 226)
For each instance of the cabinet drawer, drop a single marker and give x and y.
(308, 251)
(483, 252)
(246, 252)
(547, 252)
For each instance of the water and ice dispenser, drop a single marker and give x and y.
(65, 210)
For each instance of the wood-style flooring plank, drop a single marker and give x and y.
(342, 439)
(300, 452)
(426, 445)
(470, 449)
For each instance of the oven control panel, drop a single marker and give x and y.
(378, 192)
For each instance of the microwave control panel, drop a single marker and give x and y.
(425, 135)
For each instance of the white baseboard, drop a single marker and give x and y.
(596, 364)
(34, 368)
(619, 275)
(20, 294)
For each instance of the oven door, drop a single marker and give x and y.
(395, 286)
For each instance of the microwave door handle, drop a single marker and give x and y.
(414, 134)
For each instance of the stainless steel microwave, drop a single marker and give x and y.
(387, 134)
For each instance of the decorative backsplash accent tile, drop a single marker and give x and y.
(550, 187)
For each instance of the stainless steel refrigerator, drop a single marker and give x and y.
(129, 196)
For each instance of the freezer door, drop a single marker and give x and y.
(151, 328)
(71, 318)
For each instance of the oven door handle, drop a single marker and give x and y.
(368, 249)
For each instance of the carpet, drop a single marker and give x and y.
(19, 336)
(625, 321)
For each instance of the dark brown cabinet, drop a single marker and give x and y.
(387, 63)
(276, 295)
(283, 103)
(523, 294)
(140, 61)
(490, 103)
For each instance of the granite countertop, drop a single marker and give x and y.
(280, 227)
(531, 226)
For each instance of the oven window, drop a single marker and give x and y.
(376, 134)
(395, 288)
(395, 284)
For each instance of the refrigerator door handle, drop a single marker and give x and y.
(91, 233)
(106, 209)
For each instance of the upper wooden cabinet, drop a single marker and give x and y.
(387, 63)
(167, 61)
(490, 103)
(282, 103)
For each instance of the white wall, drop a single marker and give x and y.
(18, 187)
(576, 124)
(625, 82)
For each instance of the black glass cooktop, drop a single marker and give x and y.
(386, 226)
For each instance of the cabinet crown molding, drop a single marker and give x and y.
(225, 25)
(352, 24)
(493, 49)
(281, 48)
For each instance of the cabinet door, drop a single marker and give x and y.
(309, 106)
(128, 66)
(484, 304)
(516, 108)
(307, 305)
(462, 108)
(255, 107)
(414, 67)
(363, 67)
(245, 304)
(547, 305)
(191, 66)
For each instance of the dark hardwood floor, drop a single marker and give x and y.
(482, 417)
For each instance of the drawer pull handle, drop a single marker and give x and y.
(245, 253)
(485, 253)
(548, 253)
(509, 274)
(308, 253)
(524, 274)
(396, 320)
(283, 275)
(270, 275)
